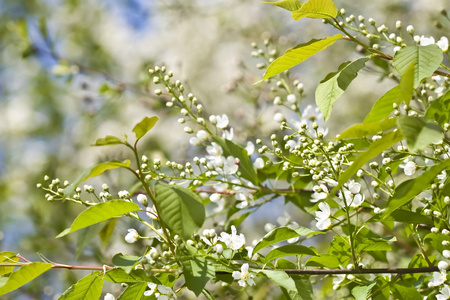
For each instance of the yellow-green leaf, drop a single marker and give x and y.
(316, 9)
(99, 213)
(144, 126)
(7, 257)
(290, 5)
(384, 106)
(298, 54)
(366, 129)
(23, 275)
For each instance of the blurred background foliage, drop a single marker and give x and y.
(72, 71)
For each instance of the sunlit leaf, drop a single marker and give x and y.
(334, 85)
(324, 260)
(384, 106)
(409, 189)
(280, 234)
(108, 140)
(289, 250)
(89, 287)
(180, 209)
(8, 257)
(361, 292)
(375, 148)
(23, 275)
(118, 275)
(404, 290)
(316, 9)
(284, 281)
(133, 291)
(426, 60)
(366, 129)
(407, 83)
(94, 171)
(298, 54)
(419, 132)
(144, 126)
(100, 212)
(290, 5)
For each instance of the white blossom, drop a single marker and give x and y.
(444, 293)
(233, 240)
(320, 193)
(410, 168)
(291, 98)
(132, 236)
(258, 163)
(141, 198)
(109, 296)
(442, 266)
(438, 279)
(323, 216)
(244, 277)
(151, 212)
(443, 44)
(222, 121)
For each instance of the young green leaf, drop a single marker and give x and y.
(9, 257)
(133, 291)
(404, 290)
(88, 287)
(334, 85)
(180, 209)
(144, 126)
(245, 164)
(278, 235)
(375, 148)
(23, 275)
(384, 106)
(316, 9)
(108, 140)
(407, 83)
(197, 272)
(409, 189)
(361, 292)
(100, 212)
(290, 5)
(426, 60)
(419, 132)
(324, 260)
(298, 54)
(118, 275)
(283, 280)
(95, 170)
(289, 250)
(366, 129)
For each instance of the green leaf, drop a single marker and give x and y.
(23, 275)
(361, 292)
(95, 170)
(298, 54)
(366, 129)
(119, 275)
(245, 164)
(374, 149)
(108, 140)
(285, 264)
(419, 132)
(144, 126)
(290, 5)
(340, 248)
(283, 280)
(316, 9)
(324, 260)
(100, 212)
(334, 85)
(406, 216)
(133, 291)
(304, 287)
(409, 189)
(406, 291)
(180, 209)
(426, 60)
(89, 287)
(373, 245)
(9, 257)
(384, 106)
(407, 84)
(280, 234)
(439, 110)
(289, 250)
(126, 262)
(197, 272)
(107, 231)
(85, 236)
